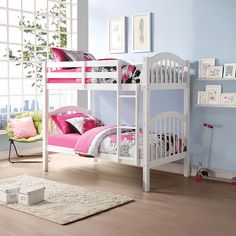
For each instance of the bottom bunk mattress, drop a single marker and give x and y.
(103, 140)
(64, 140)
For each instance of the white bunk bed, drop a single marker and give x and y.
(164, 71)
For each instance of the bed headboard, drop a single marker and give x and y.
(69, 110)
(166, 68)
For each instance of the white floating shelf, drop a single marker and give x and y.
(216, 79)
(220, 105)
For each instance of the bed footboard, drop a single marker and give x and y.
(167, 139)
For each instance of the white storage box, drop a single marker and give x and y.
(31, 195)
(9, 193)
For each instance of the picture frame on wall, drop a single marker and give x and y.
(202, 97)
(214, 72)
(229, 71)
(228, 99)
(213, 94)
(117, 34)
(203, 65)
(141, 32)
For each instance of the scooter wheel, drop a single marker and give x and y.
(198, 178)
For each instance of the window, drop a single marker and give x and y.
(28, 29)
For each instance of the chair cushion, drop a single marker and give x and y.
(23, 127)
(28, 140)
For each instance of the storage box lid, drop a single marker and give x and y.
(7, 188)
(31, 189)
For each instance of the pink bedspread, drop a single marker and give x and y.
(64, 140)
(103, 139)
(90, 140)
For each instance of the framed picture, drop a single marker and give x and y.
(203, 66)
(229, 70)
(213, 94)
(228, 98)
(117, 34)
(141, 31)
(214, 72)
(202, 97)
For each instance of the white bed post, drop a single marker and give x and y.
(45, 118)
(186, 126)
(89, 107)
(146, 107)
(118, 133)
(137, 129)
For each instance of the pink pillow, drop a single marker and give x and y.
(23, 127)
(59, 54)
(65, 127)
(83, 124)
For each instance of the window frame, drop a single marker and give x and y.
(37, 95)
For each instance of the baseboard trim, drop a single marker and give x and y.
(222, 175)
(24, 151)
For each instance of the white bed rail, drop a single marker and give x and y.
(167, 138)
(166, 68)
(84, 69)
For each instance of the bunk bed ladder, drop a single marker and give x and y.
(121, 96)
(136, 127)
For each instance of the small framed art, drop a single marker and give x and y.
(141, 31)
(203, 66)
(228, 99)
(117, 34)
(213, 94)
(214, 72)
(229, 71)
(202, 97)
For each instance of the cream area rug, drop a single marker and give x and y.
(65, 203)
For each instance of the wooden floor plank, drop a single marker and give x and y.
(176, 206)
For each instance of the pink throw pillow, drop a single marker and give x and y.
(65, 127)
(59, 54)
(23, 127)
(83, 124)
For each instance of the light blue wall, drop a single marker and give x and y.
(192, 29)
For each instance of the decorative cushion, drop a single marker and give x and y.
(83, 124)
(65, 127)
(78, 55)
(59, 54)
(23, 127)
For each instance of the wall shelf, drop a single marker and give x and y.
(216, 105)
(3, 132)
(216, 79)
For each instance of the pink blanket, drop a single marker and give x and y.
(103, 139)
(89, 142)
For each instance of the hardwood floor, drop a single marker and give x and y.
(175, 206)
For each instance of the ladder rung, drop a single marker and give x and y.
(127, 96)
(126, 127)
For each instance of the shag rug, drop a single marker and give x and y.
(65, 203)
